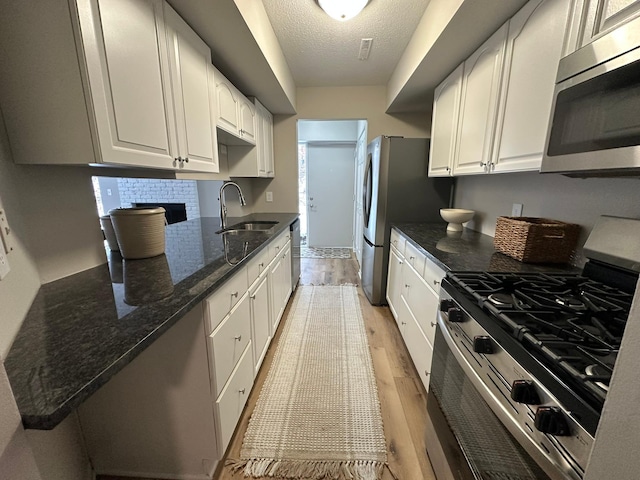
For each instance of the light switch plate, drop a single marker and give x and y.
(4, 264)
(269, 196)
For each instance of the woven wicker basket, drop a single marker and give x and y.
(536, 240)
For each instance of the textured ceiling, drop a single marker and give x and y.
(322, 51)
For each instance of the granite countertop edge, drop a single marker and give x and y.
(201, 289)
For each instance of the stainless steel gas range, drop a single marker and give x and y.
(522, 363)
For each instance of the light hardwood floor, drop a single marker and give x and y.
(402, 396)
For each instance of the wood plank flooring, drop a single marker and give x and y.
(402, 395)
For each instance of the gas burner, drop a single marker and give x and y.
(571, 302)
(504, 300)
(597, 371)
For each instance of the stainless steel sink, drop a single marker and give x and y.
(256, 226)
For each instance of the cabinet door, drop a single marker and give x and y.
(533, 49)
(190, 58)
(444, 125)
(260, 319)
(227, 117)
(420, 350)
(247, 115)
(480, 88)
(276, 283)
(394, 281)
(269, 163)
(601, 16)
(129, 89)
(228, 342)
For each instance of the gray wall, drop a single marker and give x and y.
(553, 196)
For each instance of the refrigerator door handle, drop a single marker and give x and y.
(367, 191)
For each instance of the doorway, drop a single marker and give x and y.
(327, 154)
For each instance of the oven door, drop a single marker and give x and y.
(465, 439)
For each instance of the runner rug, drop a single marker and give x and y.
(318, 414)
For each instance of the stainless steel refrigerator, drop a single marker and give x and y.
(396, 189)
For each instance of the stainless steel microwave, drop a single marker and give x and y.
(595, 121)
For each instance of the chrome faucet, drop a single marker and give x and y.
(223, 206)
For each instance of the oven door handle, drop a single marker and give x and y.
(548, 464)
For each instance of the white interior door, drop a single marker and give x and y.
(330, 182)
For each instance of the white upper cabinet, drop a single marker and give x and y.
(132, 106)
(189, 60)
(479, 103)
(595, 18)
(247, 120)
(254, 161)
(236, 114)
(113, 89)
(491, 114)
(534, 45)
(227, 117)
(446, 109)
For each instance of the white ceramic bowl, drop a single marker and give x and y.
(456, 217)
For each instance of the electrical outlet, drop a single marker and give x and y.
(516, 210)
(269, 196)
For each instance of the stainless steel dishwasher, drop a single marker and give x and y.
(295, 253)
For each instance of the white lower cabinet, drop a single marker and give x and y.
(233, 398)
(260, 318)
(412, 294)
(228, 342)
(172, 411)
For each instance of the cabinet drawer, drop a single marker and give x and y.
(233, 398)
(277, 245)
(414, 257)
(220, 303)
(419, 349)
(228, 341)
(258, 265)
(433, 275)
(398, 241)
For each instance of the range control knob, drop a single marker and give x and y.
(446, 304)
(551, 420)
(482, 344)
(455, 315)
(524, 391)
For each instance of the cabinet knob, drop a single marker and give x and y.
(241, 391)
(483, 164)
(412, 258)
(426, 374)
(234, 294)
(400, 262)
(261, 265)
(238, 338)
(436, 282)
(403, 323)
(186, 159)
(252, 297)
(433, 324)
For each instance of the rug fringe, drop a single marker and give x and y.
(308, 469)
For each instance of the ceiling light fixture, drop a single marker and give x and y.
(342, 9)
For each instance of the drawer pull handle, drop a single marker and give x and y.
(436, 282)
(241, 391)
(403, 323)
(238, 338)
(433, 324)
(426, 374)
(234, 294)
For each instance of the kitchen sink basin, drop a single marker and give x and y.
(257, 227)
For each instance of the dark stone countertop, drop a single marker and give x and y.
(83, 329)
(467, 250)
